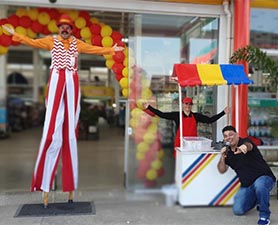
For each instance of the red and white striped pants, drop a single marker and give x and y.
(59, 133)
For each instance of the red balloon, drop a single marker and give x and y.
(45, 30)
(15, 43)
(13, 20)
(76, 32)
(25, 21)
(119, 57)
(160, 172)
(5, 40)
(120, 43)
(85, 15)
(116, 36)
(36, 27)
(95, 28)
(54, 14)
(3, 21)
(119, 76)
(96, 40)
(117, 68)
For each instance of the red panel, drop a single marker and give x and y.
(187, 75)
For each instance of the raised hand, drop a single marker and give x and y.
(118, 48)
(8, 29)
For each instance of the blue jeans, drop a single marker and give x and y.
(256, 194)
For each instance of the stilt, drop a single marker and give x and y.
(45, 200)
(70, 200)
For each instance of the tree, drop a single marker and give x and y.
(259, 61)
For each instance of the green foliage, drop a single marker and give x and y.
(260, 61)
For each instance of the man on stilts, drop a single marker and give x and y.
(62, 107)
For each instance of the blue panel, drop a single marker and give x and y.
(234, 74)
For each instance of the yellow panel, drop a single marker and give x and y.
(210, 74)
(272, 4)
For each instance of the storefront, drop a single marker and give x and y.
(159, 35)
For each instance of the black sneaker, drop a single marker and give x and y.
(263, 221)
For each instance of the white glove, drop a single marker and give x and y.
(8, 29)
(118, 48)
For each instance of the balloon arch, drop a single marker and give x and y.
(33, 21)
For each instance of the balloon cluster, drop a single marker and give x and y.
(146, 135)
(32, 21)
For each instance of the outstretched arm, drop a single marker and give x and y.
(91, 49)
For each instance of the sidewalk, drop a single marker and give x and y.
(119, 207)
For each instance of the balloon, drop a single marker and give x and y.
(6, 32)
(21, 30)
(142, 147)
(106, 31)
(109, 63)
(3, 50)
(119, 57)
(107, 42)
(124, 82)
(52, 27)
(140, 155)
(107, 56)
(94, 20)
(96, 40)
(95, 28)
(117, 68)
(156, 164)
(125, 72)
(88, 41)
(80, 22)
(1, 32)
(13, 20)
(5, 40)
(36, 27)
(85, 33)
(151, 174)
(119, 43)
(150, 183)
(25, 21)
(21, 12)
(43, 18)
(125, 92)
(146, 93)
(85, 15)
(73, 14)
(33, 13)
(116, 35)
(125, 62)
(30, 33)
(119, 76)
(45, 30)
(160, 172)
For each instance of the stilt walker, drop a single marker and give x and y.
(62, 107)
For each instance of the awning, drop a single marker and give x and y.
(209, 74)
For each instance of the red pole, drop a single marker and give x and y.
(241, 39)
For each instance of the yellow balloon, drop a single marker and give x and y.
(21, 12)
(73, 14)
(3, 50)
(151, 174)
(133, 122)
(33, 13)
(94, 20)
(88, 41)
(148, 137)
(125, 62)
(124, 82)
(140, 102)
(43, 18)
(142, 147)
(80, 22)
(6, 32)
(125, 92)
(52, 27)
(107, 42)
(109, 63)
(160, 154)
(156, 164)
(31, 33)
(125, 72)
(107, 56)
(21, 30)
(140, 156)
(146, 93)
(126, 51)
(136, 112)
(1, 31)
(106, 31)
(85, 33)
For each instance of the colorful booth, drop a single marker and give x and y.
(197, 178)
